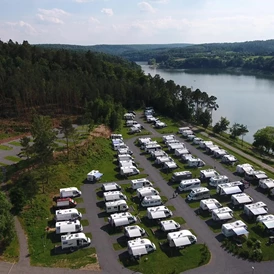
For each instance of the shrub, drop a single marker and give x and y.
(257, 244)
(249, 243)
(257, 255)
(244, 254)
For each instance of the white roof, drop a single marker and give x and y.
(143, 190)
(222, 210)
(242, 198)
(269, 183)
(110, 185)
(258, 211)
(141, 180)
(158, 214)
(170, 164)
(163, 159)
(157, 208)
(151, 198)
(256, 205)
(138, 242)
(133, 231)
(68, 189)
(224, 216)
(209, 172)
(138, 250)
(169, 224)
(120, 215)
(66, 211)
(231, 190)
(230, 158)
(240, 231)
(268, 217)
(190, 181)
(116, 203)
(235, 224)
(181, 151)
(176, 145)
(199, 189)
(181, 241)
(211, 206)
(269, 224)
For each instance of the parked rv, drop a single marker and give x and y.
(157, 153)
(129, 171)
(134, 231)
(219, 179)
(187, 132)
(170, 165)
(114, 196)
(116, 136)
(254, 210)
(67, 214)
(139, 247)
(181, 129)
(70, 192)
(158, 212)
(209, 204)
(266, 184)
(219, 153)
(169, 226)
(68, 227)
(206, 174)
(138, 183)
(230, 188)
(121, 219)
(123, 151)
(255, 175)
(146, 191)
(110, 187)
(116, 206)
(94, 175)
(126, 163)
(181, 238)
(198, 193)
(236, 228)
(180, 151)
(153, 200)
(222, 214)
(229, 159)
(129, 116)
(186, 157)
(124, 157)
(242, 169)
(211, 148)
(177, 177)
(196, 141)
(187, 185)
(74, 241)
(241, 199)
(162, 160)
(65, 203)
(203, 144)
(195, 162)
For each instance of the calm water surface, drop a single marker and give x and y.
(243, 99)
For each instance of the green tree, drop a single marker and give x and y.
(67, 129)
(221, 126)
(6, 220)
(26, 149)
(264, 139)
(205, 119)
(243, 131)
(234, 131)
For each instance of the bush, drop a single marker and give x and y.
(244, 254)
(257, 255)
(257, 244)
(249, 243)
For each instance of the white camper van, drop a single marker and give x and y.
(74, 241)
(129, 171)
(169, 226)
(242, 169)
(121, 219)
(157, 153)
(187, 185)
(195, 162)
(68, 227)
(266, 184)
(146, 191)
(116, 136)
(94, 175)
(206, 174)
(153, 200)
(219, 153)
(239, 200)
(198, 193)
(116, 206)
(110, 187)
(222, 214)
(229, 159)
(256, 209)
(138, 183)
(181, 129)
(70, 192)
(230, 188)
(65, 203)
(177, 177)
(139, 247)
(124, 157)
(158, 212)
(219, 179)
(197, 140)
(209, 204)
(114, 196)
(181, 238)
(255, 175)
(236, 228)
(134, 231)
(203, 144)
(67, 214)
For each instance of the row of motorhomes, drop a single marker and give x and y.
(148, 113)
(135, 127)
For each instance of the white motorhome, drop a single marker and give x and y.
(143, 141)
(110, 187)
(187, 132)
(180, 151)
(241, 199)
(138, 183)
(209, 204)
(168, 137)
(139, 247)
(152, 147)
(70, 192)
(267, 221)
(125, 157)
(94, 175)
(170, 165)
(130, 123)
(121, 219)
(255, 175)
(116, 206)
(134, 231)
(172, 147)
(222, 214)
(203, 144)
(186, 157)
(177, 177)
(210, 149)
(160, 124)
(114, 196)
(195, 162)
(236, 228)
(198, 193)
(206, 174)
(169, 226)
(123, 151)
(230, 188)
(173, 141)
(187, 185)
(146, 191)
(67, 214)
(181, 129)
(181, 238)
(74, 241)
(129, 171)
(158, 212)
(229, 159)
(162, 160)
(116, 136)
(266, 184)
(127, 163)
(153, 200)
(242, 169)
(157, 153)
(117, 146)
(256, 209)
(135, 129)
(219, 153)
(196, 140)
(68, 227)
(219, 179)
(190, 137)
(129, 116)
(65, 203)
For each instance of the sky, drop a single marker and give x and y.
(91, 22)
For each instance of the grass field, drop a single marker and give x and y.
(15, 143)
(11, 252)
(4, 147)
(13, 159)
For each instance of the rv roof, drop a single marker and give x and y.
(169, 224)
(242, 198)
(235, 224)
(256, 205)
(240, 231)
(232, 189)
(152, 197)
(269, 224)
(157, 208)
(222, 210)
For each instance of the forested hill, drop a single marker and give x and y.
(96, 86)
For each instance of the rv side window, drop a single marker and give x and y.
(115, 207)
(65, 242)
(130, 218)
(196, 184)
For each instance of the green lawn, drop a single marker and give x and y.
(82, 210)
(84, 222)
(11, 252)
(15, 143)
(4, 147)
(13, 159)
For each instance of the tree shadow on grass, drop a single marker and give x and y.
(112, 230)
(100, 204)
(127, 260)
(55, 238)
(122, 241)
(170, 252)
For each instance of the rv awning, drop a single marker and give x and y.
(120, 221)
(158, 214)
(169, 226)
(211, 206)
(134, 233)
(224, 216)
(181, 241)
(261, 176)
(258, 211)
(232, 190)
(98, 175)
(240, 231)
(138, 250)
(269, 224)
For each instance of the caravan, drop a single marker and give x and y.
(222, 214)
(254, 210)
(74, 241)
(229, 159)
(239, 200)
(219, 179)
(242, 169)
(94, 176)
(116, 206)
(138, 183)
(181, 238)
(68, 227)
(236, 228)
(206, 174)
(198, 193)
(65, 203)
(230, 188)
(266, 184)
(114, 196)
(195, 162)
(177, 177)
(70, 192)
(67, 214)
(134, 231)
(138, 247)
(169, 226)
(153, 200)
(158, 212)
(219, 153)
(110, 187)
(146, 191)
(129, 171)
(209, 204)
(121, 219)
(187, 185)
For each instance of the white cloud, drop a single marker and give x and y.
(93, 20)
(146, 7)
(52, 16)
(159, 1)
(107, 11)
(22, 26)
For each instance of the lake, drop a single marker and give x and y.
(243, 99)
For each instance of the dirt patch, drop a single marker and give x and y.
(93, 267)
(101, 131)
